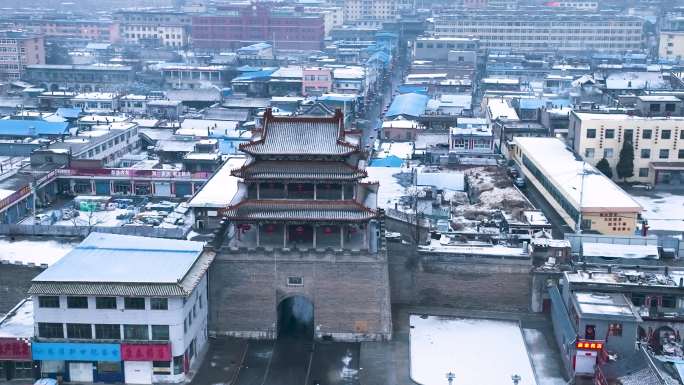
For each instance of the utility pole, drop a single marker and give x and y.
(578, 225)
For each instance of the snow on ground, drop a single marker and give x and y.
(4, 193)
(477, 351)
(35, 250)
(19, 323)
(664, 211)
(547, 369)
(390, 190)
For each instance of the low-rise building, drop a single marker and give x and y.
(658, 153)
(85, 78)
(316, 81)
(105, 312)
(575, 189)
(16, 331)
(97, 102)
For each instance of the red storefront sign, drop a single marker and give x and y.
(14, 349)
(141, 352)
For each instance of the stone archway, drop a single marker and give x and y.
(296, 317)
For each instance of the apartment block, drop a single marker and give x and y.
(358, 10)
(671, 45)
(534, 30)
(154, 27)
(657, 142)
(17, 50)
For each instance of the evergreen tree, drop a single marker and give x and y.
(604, 167)
(625, 165)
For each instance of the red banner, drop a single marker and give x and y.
(14, 349)
(143, 352)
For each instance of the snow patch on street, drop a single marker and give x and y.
(546, 368)
(35, 251)
(477, 351)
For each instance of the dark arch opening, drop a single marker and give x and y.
(296, 318)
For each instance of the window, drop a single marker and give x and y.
(647, 134)
(48, 301)
(590, 332)
(666, 134)
(669, 107)
(615, 329)
(136, 332)
(160, 332)
(79, 331)
(161, 367)
(664, 153)
(50, 330)
(159, 303)
(107, 332)
(643, 173)
(589, 152)
(610, 133)
(591, 133)
(77, 302)
(680, 155)
(645, 153)
(608, 153)
(131, 303)
(655, 107)
(178, 365)
(105, 302)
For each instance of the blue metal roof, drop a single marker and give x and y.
(532, 104)
(336, 98)
(69, 113)
(410, 88)
(16, 127)
(247, 68)
(388, 161)
(411, 104)
(254, 75)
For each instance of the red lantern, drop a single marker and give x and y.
(327, 230)
(270, 229)
(299, 230)
(352, 230)
(246, 227)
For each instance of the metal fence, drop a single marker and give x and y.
(83, 231)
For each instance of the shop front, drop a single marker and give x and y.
(79, 362)
(146, 363)
(15, 359)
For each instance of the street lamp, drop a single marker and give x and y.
(450, 377)
(516, 379)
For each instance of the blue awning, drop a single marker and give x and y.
(411, 104)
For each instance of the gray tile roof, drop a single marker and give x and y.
(285, 210)
(296, 170)
(301, 136)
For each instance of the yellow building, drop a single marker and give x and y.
(657, 140)
(671, 45)
(571, 186)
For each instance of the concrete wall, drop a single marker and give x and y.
(82, 231)
(15, 281)
(350, 293)
(464, 285)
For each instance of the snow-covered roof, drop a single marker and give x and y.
(349, 73)
(659, 98)
(501, 109)
(209, 128)
(442, 180)
(612, 250)
(564, 170)
(603, 304)
(389, 189)
(43, 251)
(636, 81)
(18, 323)
(114, 258)
(95, 96)
(223, 189)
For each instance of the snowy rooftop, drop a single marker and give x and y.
(96, 96)
(389, 190)
(560, 165)
(477, 351)
(626, 277)
(663, 211)
(222, 190)
(442, 180)
(208, 128)
(500, 251)
(18, 323)
(112, 258)
(636, 81)
(598, 116)
(501, 109)
(610, 250)
(604, 304)
(402, 150)
(659, 98)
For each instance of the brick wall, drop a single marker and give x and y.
(351, 298)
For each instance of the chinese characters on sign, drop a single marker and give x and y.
(142, 352)
(75, 352)
(14, 349)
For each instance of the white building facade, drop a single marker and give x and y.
(109, 330)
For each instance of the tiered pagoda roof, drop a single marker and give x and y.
(279, 210)
(299, 170)
(302, 135)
